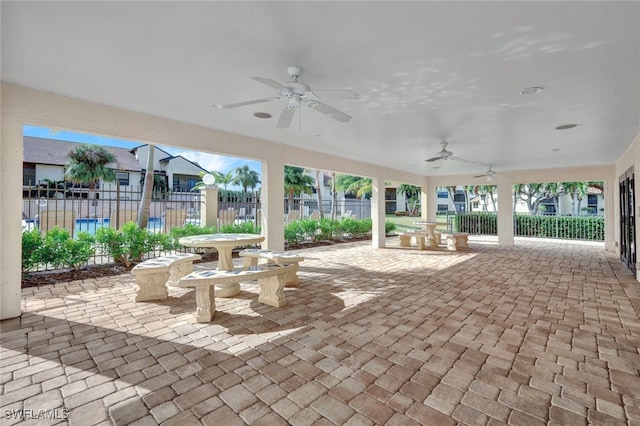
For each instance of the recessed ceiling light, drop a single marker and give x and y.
(531, 91)
(262, 115)
(566, 126)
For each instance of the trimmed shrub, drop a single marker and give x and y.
(128, 246)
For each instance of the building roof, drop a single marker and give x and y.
(170, 157)
(56, 152)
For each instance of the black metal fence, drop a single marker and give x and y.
(80, 209)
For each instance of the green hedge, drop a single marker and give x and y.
(569, 227)
(566, 227)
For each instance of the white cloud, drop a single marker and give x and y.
(208, 161)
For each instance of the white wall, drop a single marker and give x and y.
(48, 171)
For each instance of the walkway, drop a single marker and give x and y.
(534, 334)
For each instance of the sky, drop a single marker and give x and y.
(210, 162)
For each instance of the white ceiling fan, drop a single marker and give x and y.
(444, 155)
(489, 174)
(295, 93)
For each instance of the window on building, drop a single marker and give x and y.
(443, 207)
(29, 174)
(443, 194)
(191, 183)
(459, 197)
(176, 183)
(123, 178)
(548, 207)
(592, 204)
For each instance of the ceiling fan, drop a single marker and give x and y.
(444, 155)
(489, 174)
(294, 93)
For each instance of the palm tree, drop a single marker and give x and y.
(356, 185)
(87, 164)
(144, 210)
(246, 178)
(223, 179)
(296, 181)
(319, 192)
(412, 194)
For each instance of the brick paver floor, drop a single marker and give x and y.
(538, 333)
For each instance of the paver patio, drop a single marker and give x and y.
(539, 333)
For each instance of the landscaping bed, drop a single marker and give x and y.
(36, 279)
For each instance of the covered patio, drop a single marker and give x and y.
(512, 331)
(537, 333)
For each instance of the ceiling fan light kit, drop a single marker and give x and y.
(295, 93)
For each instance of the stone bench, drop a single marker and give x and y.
(420, 237)
(456, 240)
(270, 276)
(251, 257)
(153, 275)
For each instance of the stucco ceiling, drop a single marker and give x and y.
(425, 71)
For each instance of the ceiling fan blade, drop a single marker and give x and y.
(239, 104)
(430, 160)
(286, 117)
(338, 94)
(464, 160)
(330, 111)
(479, 176)
(270, 83)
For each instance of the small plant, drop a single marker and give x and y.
(59, 250)
(131, 244)
(31, 241)
(389, 226)
(241, 228)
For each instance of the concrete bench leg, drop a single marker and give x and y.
(405, 241)
(249, 261)
(272, 291)
(291, 278)
(451, 244)
(152, 286)
(462, 241)
(420, 242)
(205, 303)
(178, 271)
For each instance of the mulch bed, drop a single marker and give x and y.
(36, 279)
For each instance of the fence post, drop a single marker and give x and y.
(209, 206)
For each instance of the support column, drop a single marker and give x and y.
(432, 205)
(505, 214)
(209, 206)
(272, 199)
(378, 217)
(425, 205)
(11, 147)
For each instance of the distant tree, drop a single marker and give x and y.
(223, 179)
(412, 195)
(533, 194)
(87, 164)
(577, 191)
(296, 181)
(319, 176)
(144, 210)
(355, 185)
(246, 178)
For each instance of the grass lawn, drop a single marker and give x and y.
(405, 223)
